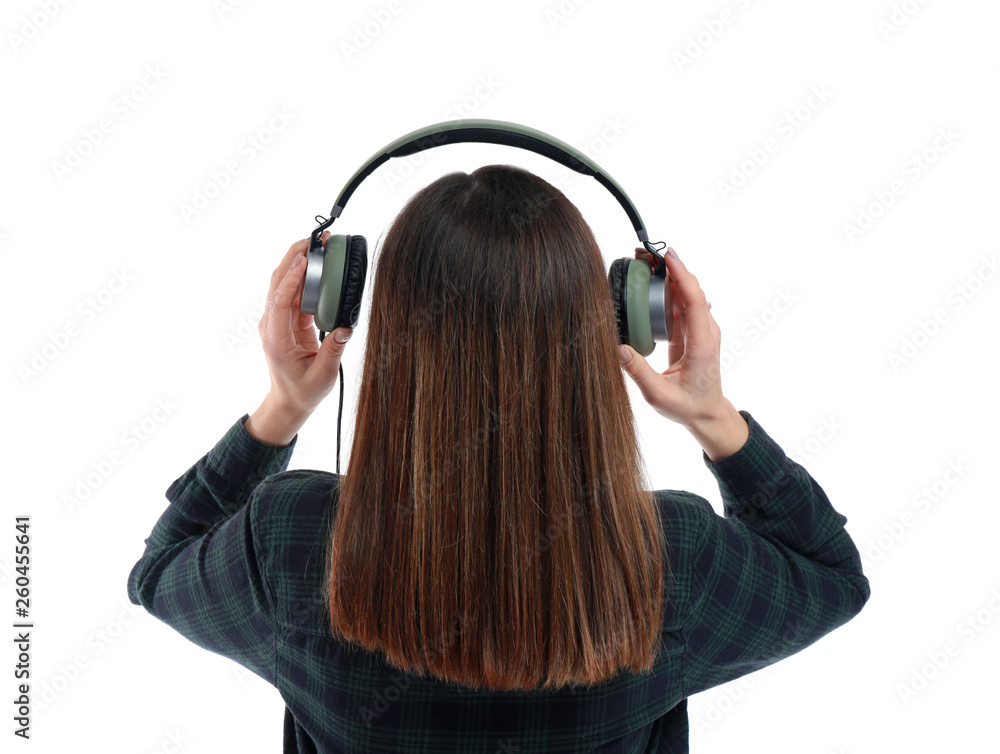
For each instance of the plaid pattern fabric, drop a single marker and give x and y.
(236, 565)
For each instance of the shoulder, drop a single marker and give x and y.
(291, 515)
(289, 496)
(684, 513)
(686, 519)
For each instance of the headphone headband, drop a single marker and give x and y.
(493, 132)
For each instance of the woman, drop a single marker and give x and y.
(492, 573)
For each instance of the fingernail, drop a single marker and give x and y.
(624, 354)
(342, 336)
(298, 258)
(673, 253)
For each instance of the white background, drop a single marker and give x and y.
(846, 378)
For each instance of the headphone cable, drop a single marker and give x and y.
(340, 411)
(340, 406)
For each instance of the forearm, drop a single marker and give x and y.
(721, 434)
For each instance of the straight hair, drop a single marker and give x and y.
(494, 528)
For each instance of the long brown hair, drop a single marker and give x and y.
(494, 528)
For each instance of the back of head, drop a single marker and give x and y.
(494, 528)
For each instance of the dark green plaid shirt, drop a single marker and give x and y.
(236, 564)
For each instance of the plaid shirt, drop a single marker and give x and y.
(236, 565)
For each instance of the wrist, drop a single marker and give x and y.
(276, 422)
(721, 433)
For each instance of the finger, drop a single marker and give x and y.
(278, 274)
(279, 308)
(699, 339)
(645, 378)
(327, 362)
(304, 328)
(303, 324)
(641, 253)
(296, 249)
(676, 348)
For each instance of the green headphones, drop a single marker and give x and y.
(336, 271)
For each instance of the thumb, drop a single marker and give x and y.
(326, 362)
(636, 368)
(334, 344)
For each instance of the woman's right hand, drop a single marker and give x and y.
(689, 391)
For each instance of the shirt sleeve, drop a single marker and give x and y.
(773, 575)
(201, 572)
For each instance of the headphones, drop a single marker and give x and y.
(336, 270)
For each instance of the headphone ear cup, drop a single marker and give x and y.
(629, 281)
(616, 280)
(345, 264)
(356, 270)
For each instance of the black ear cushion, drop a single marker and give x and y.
(617, 276)
(355, 271)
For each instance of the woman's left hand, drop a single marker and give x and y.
(303, 370)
